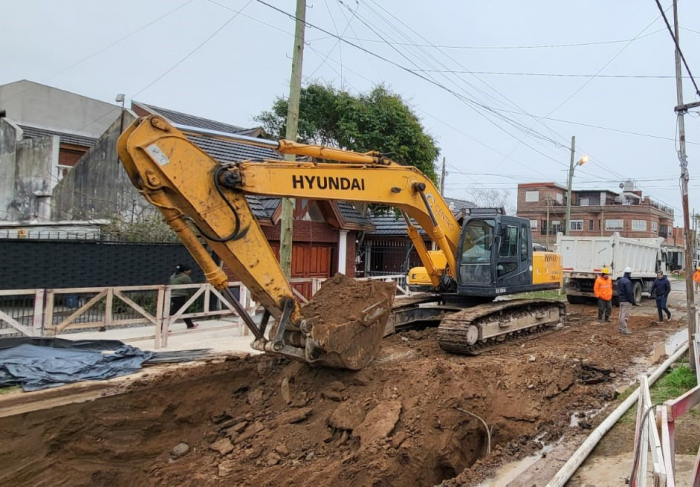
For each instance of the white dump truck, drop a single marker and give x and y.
(583, 259)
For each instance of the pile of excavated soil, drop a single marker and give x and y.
(268, 421)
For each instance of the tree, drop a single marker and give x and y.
(375, 121)
(492, 198)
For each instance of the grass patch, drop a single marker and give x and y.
(676, 383)
(9, 389)
(552, 294)
(672, 385)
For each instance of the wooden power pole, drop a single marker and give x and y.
(286, 224)
(690, 295)
(442, 178)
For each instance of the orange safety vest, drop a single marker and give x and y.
(603, 288)
(696, 276)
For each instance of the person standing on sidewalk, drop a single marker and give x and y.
(603, 290)
(696, 279)
(661, 288)
(179, 297)
(626, 297)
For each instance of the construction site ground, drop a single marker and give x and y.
(409, 418)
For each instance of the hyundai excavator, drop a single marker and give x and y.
(489, 255)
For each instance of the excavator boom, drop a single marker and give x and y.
(200, 198)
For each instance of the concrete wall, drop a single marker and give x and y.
(38, 105)
(98, 186)
(26, 168)
(35, 160)
(8, 156)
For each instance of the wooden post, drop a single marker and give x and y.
(159, 315)
(286, 225)
(109, 301)
(48, 316)
(38, 317)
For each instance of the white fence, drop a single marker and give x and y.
(49, 312)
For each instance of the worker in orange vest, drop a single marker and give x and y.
(696, 279)
(603, 290)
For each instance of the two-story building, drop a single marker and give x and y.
(594, 212)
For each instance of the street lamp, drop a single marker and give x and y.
(573, 165)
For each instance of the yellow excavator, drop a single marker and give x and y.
(203, 201)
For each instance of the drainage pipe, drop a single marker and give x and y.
(586, 448)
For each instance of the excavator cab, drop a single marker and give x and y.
(496, 257)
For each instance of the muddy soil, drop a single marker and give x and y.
(268, 421)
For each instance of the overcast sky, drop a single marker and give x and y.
(501, 85)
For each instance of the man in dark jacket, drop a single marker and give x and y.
(661, 289)
(626, 297)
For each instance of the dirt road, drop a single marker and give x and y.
(400, 421)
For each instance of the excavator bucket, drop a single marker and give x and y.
(345, 321)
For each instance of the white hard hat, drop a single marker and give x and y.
(628, 270)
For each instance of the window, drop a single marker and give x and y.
(524, 244)
(555, 227)
(614, 225)
(476, 252)
(560, 198)
(532, 196)
(576, 226)
(639, 225)
(533, 224)
(509, 243)
(591, 225)
(585, 201)
(654, 227)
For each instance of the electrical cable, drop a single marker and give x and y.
(187, 56)
(678, 46)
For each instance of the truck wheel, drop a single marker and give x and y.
(637, 292)
(576, 299)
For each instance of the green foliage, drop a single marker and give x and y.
(375, 121)
(674, 384)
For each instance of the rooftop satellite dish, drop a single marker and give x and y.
(622, 185)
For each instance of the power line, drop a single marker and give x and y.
(187, 56)
(540, 46)
(678, 46)
(555, 75)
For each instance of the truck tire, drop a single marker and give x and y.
(576, 299)
(637, 292)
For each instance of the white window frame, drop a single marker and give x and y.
(560, 198)
(614, 225)
(533, 224)
(639, 225)
(576, 225)
(532, 196)
(655, 227)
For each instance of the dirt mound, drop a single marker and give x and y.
(267, 421)
(348, 318)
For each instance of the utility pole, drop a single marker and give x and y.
(547, 222)
(286, 224)
(442, 178)
(568, 190)
(690, 295)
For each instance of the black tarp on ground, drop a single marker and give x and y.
(39, 363)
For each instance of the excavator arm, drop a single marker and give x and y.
(200, 198)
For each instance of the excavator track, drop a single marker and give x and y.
(484, 327)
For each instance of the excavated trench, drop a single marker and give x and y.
(265, 420)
